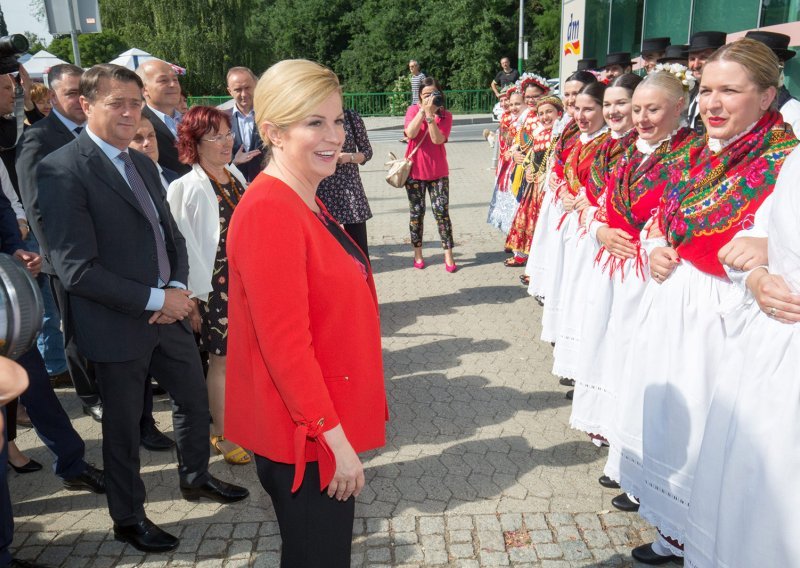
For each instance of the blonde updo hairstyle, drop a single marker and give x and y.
(290, 91)
(668, 83)
(759, 61)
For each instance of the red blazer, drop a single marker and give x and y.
(304, 339)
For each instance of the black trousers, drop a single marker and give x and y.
(176, 362)
(316, 530)
(80, 370)
(6, 515)
(358, 232)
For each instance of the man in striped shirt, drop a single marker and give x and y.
(416, 80)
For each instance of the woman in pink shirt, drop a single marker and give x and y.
(427, 126)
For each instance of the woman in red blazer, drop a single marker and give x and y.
(305, 384)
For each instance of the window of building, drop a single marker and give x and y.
(725, 16)
(595, 32)
(668, 18)
(626, 26)
(779, 12)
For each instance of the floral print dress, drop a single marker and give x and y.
(214, 312)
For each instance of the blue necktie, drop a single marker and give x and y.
(145, 201)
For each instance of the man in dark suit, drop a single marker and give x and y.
(115, 247)
(47, 415)
(162, 93)
(248, 148)
(62, 126)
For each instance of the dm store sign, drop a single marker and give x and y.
(572, 13)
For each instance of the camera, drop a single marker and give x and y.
(21, 308)
(438, 99)
(10, 47)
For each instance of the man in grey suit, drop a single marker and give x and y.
(248, 148)
(162, 93)
(115, 247)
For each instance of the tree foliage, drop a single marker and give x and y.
(95, 48)
(367, 42)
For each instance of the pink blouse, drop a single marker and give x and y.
(430, 162)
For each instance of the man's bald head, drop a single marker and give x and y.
(161, 88)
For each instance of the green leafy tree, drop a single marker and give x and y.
(545, 18)
(95, 48)
(36, 43)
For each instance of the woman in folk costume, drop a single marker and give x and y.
(500, 203)
(533, 87)
(619, 275)
(712, 196)
(580, 251)
(548, 111)
(744, 502)
(572, 194)
(503, 140)
(565, 136)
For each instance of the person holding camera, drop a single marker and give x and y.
(427, 127)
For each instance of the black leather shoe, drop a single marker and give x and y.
(216, 490)
(95, 411)
(623, 503)
(646, 555)
(91, 480)
(29, 467)
(146, 536)
(565, 382)
(154, 440)
(570, 394)
(606, 481)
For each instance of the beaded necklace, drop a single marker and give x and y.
(224, 193)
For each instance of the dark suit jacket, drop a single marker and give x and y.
(41, 139)
(167, 152)
(103, 249)
(10, 241)
(169, 175)
(252, 168)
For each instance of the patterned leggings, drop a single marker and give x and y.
(439, 190)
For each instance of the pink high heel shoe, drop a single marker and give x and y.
(450, 267)
(419, 264)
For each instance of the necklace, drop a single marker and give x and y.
(224, 193)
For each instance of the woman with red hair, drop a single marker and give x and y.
(202, 202)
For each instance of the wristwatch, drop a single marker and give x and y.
(428, 119)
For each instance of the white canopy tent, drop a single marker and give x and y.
(135, 57)
(40, 63)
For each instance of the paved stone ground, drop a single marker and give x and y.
(480, 467)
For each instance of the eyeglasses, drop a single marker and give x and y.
(220, 138)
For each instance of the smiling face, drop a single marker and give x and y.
(588, 114)
(115, 112)
(697, 60)
(547, 114)
(516, 104)
(532, 92)
(650, 60)
(571, 90)
(655, 115)
(310, 147)
(729, 99)
(617, 109)
(215, 147)
(161, 88)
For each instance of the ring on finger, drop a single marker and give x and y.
(772, 311)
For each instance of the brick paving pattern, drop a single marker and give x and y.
(480, 466)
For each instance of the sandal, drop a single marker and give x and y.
(237, 456)
(515, 261)
(525, 280)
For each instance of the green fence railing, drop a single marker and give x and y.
(475, 101)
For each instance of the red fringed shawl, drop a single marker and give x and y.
(716, 194)
(578, 164)
(604, 164)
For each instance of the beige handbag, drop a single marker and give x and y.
(400, 168)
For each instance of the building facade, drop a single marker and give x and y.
(594, 28)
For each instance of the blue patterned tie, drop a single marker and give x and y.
(146, 203)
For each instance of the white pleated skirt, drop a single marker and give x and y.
(612, 304)
(670, 373)
(543, 236)
(553, 292)
(745, 502)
